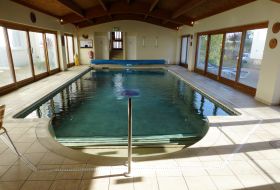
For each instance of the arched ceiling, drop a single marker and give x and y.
(166, 13)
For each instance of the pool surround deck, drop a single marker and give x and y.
(238, 151)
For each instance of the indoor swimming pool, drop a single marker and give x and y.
(92, 111)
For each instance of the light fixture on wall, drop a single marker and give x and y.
(192, 22)
(61, 21)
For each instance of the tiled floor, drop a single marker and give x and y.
(238, 152)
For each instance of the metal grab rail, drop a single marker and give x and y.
(129, 139)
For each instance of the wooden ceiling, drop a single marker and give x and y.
(166, 13)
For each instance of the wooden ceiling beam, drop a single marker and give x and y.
(123, 8)
(128, 17)
(153, 5)
(191, 4)
(74, 7)
(224, 8)
(35, 8)
(103, 5)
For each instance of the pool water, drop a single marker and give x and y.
(93, 110)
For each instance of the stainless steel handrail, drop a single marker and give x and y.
(129, 139)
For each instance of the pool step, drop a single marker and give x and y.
(122, 141)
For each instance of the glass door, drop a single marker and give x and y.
(201, 52)
(231, 55)
(20, 54)
(52, 51)
(215, 51)
(6, 76)
(38, 52)
(184, 51)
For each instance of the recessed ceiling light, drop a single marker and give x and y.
(61, 20)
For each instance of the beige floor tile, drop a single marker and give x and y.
(242, 168)
(11, 185)
(271, 154)
(3, 169)
(193, 171)
(146, 183)
(253, 181)
(3, 146)
(52, 158)
(217, 168)
(36, 147)
(36, 185)
(65, 185)
(16, 173)
(33, 158)
(95, 184)
(8, 158)
(169, 172)
(144, 172)
(44, 175)
(120, 183)
(167, 183)
(227, 182)
(98, 172)
(200, 182)
(71, 174)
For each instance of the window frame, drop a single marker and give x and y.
(67, 49)
(233, 83)
(189, 39)
(17, 84)
(118, 40)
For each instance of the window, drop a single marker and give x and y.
(6, 76)
(37, 52)
(20, 54)
(25, 55)
(117, 41)
(184, 50)
(253, 48)
(69, 45)
(52, 51)
(215, 50)
(233, 55)
(117, 35)
(117, 45)
(201, 52)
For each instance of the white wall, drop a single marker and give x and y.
(167, 39)
(16, 13)
(268, 90)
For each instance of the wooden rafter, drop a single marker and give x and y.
(103, 5)
(74, 7)
(35, 8)
(224, 8)
(123, 8)
(187, 7)
(105, 19)
(153, 5)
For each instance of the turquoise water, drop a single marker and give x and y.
(92, 109)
